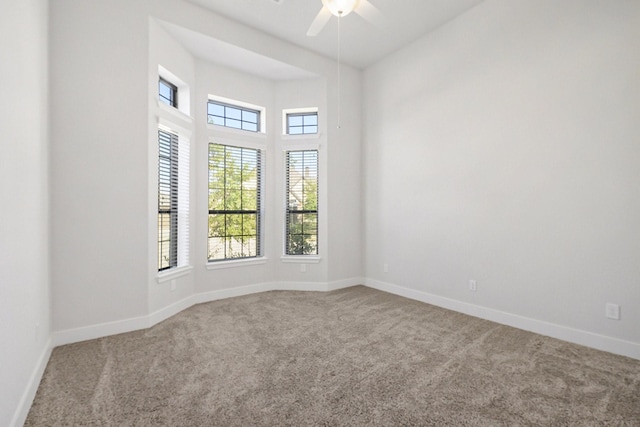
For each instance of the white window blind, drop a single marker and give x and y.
(183, 201)
(301, 209)
(173, 200)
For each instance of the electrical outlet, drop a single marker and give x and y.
(385, 268)
(303, 268)
(472, 285)
(173, 285)
(612, 311)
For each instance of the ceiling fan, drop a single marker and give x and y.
(341, 8)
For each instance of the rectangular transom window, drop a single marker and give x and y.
(233, 116)
(167, 93)
(302, 123)
(235, 176)
(301, 235)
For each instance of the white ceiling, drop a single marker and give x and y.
(220, 52)
(362, 43)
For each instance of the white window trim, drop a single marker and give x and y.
(184, 231)
(239, 262)
(184, 94)
(301, 259)
(174, 113)
(255, 145)
(300, 145)
(219, 129)
(288, 111)
(169, 126)
(173, 273)
(233, 263)
(301, 138)
(241, 104)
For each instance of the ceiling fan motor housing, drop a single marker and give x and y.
(340, 7)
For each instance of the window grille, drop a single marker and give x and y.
(233, 116)
(235, 181)
(301, 210)
(302, 123)
(168, 93)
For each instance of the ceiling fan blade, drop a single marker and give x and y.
(321, 20)
(370, 13)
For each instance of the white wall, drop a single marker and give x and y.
(99, 164)
(216, 80)
(344, 180)
(302, 93)
(103, 155)
(505, 148)
(24, 224)
(165, 52)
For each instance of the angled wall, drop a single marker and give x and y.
(104, 115)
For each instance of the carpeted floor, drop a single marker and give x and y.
(354, 357)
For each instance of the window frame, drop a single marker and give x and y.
(288, 252)
(241, 120)
(258, 211)
(168, 182)
(303, 126)
(173, 100)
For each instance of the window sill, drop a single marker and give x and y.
(301, 259)
(218, 265)
(301, 137)
(175, 112)
(174, 273)
(233, 131)
(295, 144)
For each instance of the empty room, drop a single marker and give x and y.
(320, 212)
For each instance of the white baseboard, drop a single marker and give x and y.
(170, 311)
(317, 286)
(70, 336)
(277, 286)
(589, 339)
(345, 283)
(85, 333)
(600, 342)
(232, 292)
(26, 400)
(576, 336)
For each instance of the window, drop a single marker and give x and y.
(302, 203)
(235, 176)
(302, 123)
(167, 200)
(167, 93)
(232, 116)
(173, 201)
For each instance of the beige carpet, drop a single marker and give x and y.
(354, 357)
